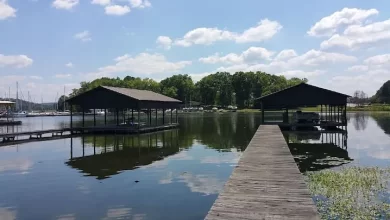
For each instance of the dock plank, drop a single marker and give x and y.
(266, 184)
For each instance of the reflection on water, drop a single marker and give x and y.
(174, 174)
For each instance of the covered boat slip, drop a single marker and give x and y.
(5, 118)
(134, 110)
(333, 106)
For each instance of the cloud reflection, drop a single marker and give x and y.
(202, 183)
(7, 214)
(19, 164)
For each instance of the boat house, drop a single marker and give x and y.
(332, 106)
(132, 110)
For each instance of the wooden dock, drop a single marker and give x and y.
(266, 184)
(66, 132)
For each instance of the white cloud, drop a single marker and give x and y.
(6, 11)
(61, 76)
(164, 42)
(70, 65)
(383, 59)
(117, 10)
(18, 61)
(230, 58)
(264, 30)
(358, 68)
(369, 81)
(347, 16)
(356, 36)
(143, 63)
(36, 77)
(198, 76)
(205, 36)
(300, 73)
(286, 54)
(101, 2)
(83, 36)
(140, 3)
(251, 55)
(246, 61)
(65, 4)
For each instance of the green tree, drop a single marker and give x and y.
(383, 94)
(183, 84)
(61, 106)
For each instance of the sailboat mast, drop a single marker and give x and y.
(64, 98)
(28, 99)
(17, 96)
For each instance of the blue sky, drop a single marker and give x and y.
(48, 44)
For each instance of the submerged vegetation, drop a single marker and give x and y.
(351, 193)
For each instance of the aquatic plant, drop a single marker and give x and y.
(351, 193)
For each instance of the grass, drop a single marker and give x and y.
(351, 193)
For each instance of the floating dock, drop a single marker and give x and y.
(266, 184)
(45, 134)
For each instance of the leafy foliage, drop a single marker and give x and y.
(220, 89)
(383, 94)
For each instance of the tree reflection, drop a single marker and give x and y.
(383, 121)
(360, 120)
(115, 153)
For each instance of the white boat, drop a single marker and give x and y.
(214, 109)
(100, 112)
(20, 114)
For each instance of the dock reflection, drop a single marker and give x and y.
(318, 150)
(116, 153)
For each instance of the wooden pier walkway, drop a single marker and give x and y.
(266, 184)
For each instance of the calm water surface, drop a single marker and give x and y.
(167, 175)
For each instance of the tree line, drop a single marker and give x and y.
(219, 89)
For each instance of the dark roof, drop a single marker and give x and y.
(302, 95)
(142, 95)
(121, 98)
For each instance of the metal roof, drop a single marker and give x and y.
(301, 95)
(105, 97)
(142, 95)
(303, 85)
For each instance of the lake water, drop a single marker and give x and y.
(173, 174)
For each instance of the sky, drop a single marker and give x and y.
(49, 45)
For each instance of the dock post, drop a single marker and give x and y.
(156, 117)
(105, 116)
(345, 114)
(94, 117)
(71, 148)
(132, 116)
(138, 117)
(163, 116)
(171, 115)
(71, 119)
(83, 117)
(124, 116)
(150, 117)
(262, 113)
(176, 116)
(117, 117)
